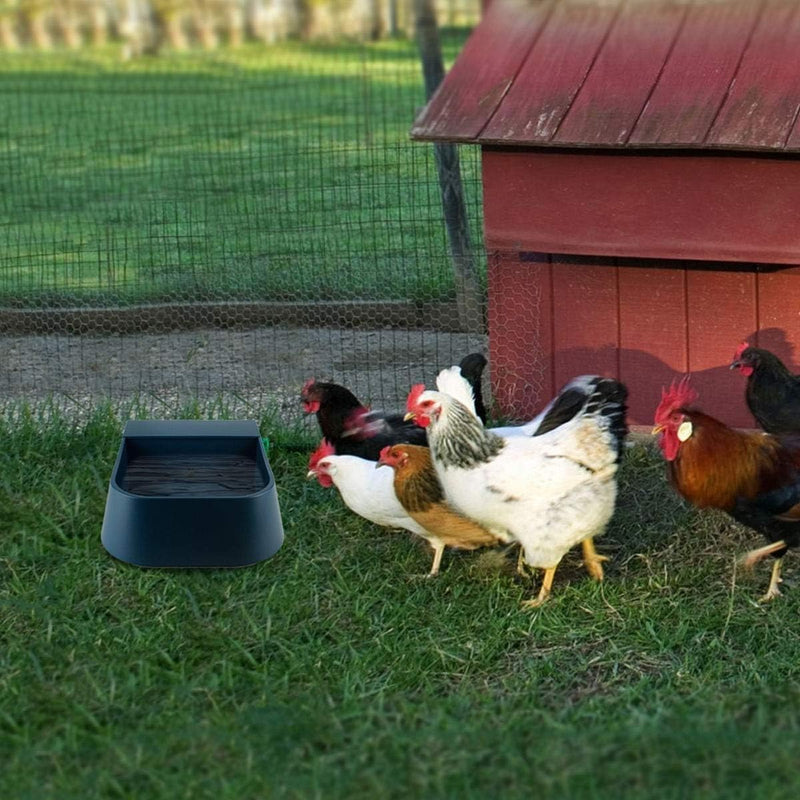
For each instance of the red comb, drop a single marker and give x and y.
(324, 450)
(384, 453)
(413, 396)
(742, 347)
(679, 395)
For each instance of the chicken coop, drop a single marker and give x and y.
(641, 190)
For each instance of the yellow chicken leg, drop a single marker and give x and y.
(522, 568)
(438, 551)
(544, 592)
(754, 556)
(773, 591)
(592, 560)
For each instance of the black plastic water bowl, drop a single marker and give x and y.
(190, 493)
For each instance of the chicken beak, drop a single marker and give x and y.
(310, 475)
(380, 464)
(657, 429)
(735, 365)
(408, 417)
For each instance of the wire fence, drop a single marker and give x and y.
(223, 220)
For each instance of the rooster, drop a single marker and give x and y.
(548, 491)
(754, 477)
(773, 393)
(369, 493)
(420, 493)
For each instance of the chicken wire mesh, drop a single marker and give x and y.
(223, 216)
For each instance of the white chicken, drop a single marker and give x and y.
(548, 491)
(368, 492)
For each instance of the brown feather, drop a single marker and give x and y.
(717, 464)
(418, 489)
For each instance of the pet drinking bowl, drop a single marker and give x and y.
(190, 493)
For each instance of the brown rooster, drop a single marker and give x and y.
(420, 493)
(754, 477)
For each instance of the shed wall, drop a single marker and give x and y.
(621, 303)
(645, 322)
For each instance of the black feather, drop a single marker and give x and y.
(339, 407)
(773, 392)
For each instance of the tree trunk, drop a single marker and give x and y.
(468, 292)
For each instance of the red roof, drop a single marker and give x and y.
(694, 74)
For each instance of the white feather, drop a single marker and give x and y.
(450, 381)
(368, 491)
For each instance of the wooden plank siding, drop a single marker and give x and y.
(653, 343)
(647, 323)
(585, 304)
(703, 206)
(520, 321)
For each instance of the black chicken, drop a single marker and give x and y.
(352, 428)
(355, 430)
(773, 393)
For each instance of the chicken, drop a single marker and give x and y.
(773, 393)
(418, 489)
(350, 427)
(368, 492)
(754, 477)
(354, 429)
(547, 492)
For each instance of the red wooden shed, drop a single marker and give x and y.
(641, 178)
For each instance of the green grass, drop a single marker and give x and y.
(281, 172)
(334, 670)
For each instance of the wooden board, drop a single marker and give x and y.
(779, 314)
(696, 77)
(652, 333)
(585, 318)
(557, 66)
(763, 101)
(622, 76)
(721, 312)
(520, 333)
(486, 67)
(706, 207)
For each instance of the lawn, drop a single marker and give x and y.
(281, 172)
(335, 670)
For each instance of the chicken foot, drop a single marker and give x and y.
(438, 552)
(592, 560)
(544, 592)
(773, 591)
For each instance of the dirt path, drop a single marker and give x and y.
(247, 368)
